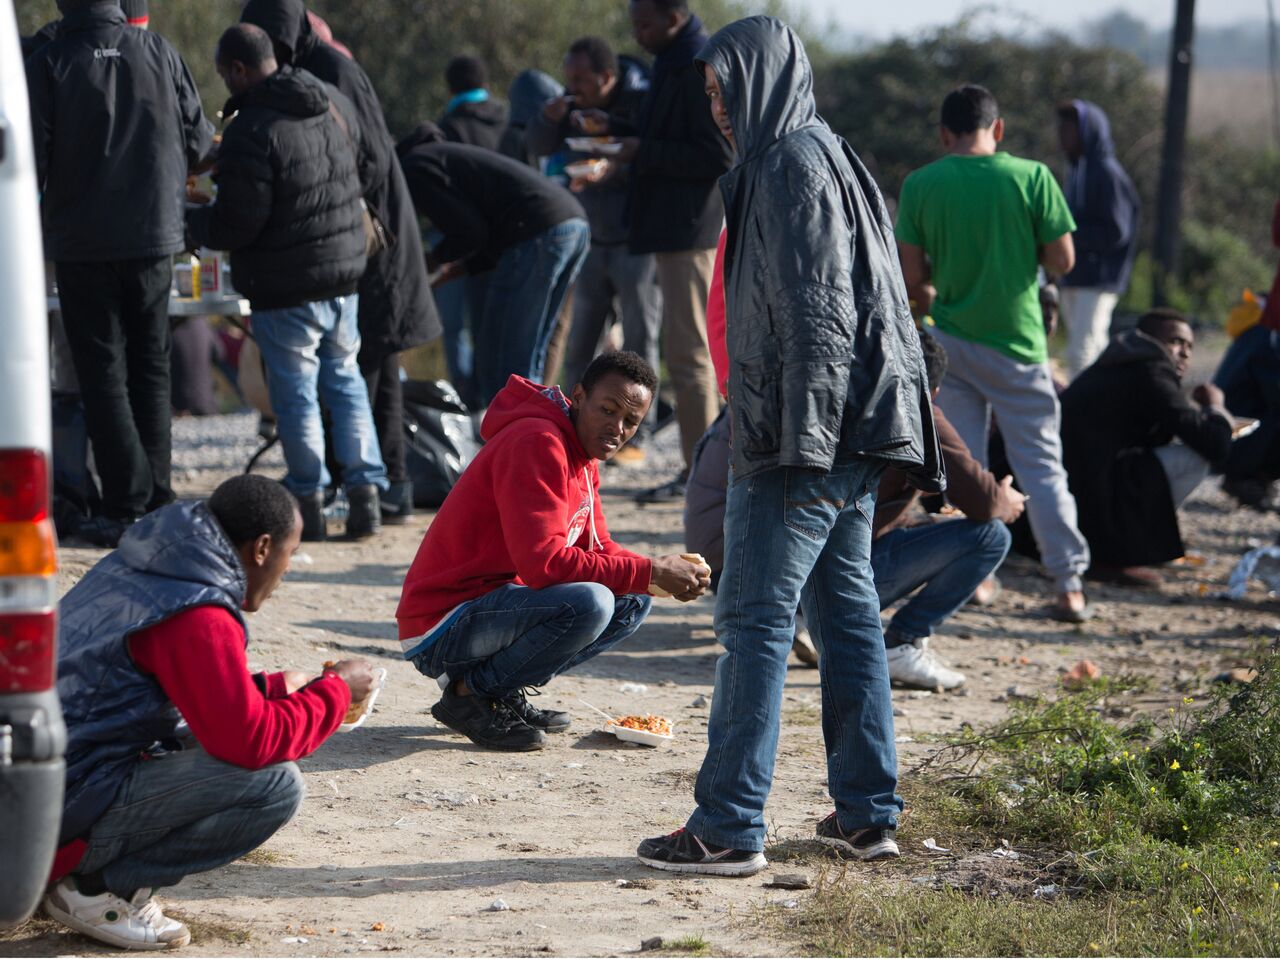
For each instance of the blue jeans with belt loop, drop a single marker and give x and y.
(796, 536)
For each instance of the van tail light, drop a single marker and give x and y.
(28, 564)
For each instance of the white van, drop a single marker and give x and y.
(32, 736)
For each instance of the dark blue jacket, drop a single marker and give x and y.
(173, 560)
(1105, 206)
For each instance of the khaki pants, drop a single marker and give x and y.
(685, 279)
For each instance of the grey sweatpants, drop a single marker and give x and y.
(982, 381)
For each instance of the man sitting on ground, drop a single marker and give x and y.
(946, 560)
(154, 635)
(1122, 420)
(517, 579)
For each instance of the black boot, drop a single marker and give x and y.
(364, 515)
(311, 506)
(397, 504)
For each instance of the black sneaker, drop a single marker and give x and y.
(490, 723)
(548, 720)
(874, 842)
(682, 851)
(669, 492)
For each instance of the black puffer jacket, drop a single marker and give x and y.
(117, 122)
(397, 310)
(288, 205)
(824, 358)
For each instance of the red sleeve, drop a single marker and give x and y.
(1275, 225)
(717, 324)
(533, 509)
(198, 657)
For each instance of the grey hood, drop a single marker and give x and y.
(765, 79)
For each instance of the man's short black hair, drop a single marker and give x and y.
(466, 73)
(935, 360)
(969, 108)
(249, 505)
(598, 53)
(631, 365)
(247, 44)
(1153, 321)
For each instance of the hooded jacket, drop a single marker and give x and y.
(529, 91)
(117, 122)
(288, 207)
(526, 511)
(605, 203)
(479, 124)
(172, 560)
(397, 310)
(1104, 204)
(824, 358)
(1114, 415)
(674, 205)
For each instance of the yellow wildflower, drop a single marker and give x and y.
(1185, 865)
(1197, 910)
(1174, 765)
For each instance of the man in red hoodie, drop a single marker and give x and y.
(517, 579)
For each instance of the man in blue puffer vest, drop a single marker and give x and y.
(152, 655)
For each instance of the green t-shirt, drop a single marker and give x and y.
(981, 220)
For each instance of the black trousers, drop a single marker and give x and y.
(386, 399)
(116, 316)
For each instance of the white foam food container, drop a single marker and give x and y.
(379, 681)
(629, 735)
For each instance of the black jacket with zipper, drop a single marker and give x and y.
(825, 363)
(397, 310)
(117, 123)
(675, 205)
(288, 207)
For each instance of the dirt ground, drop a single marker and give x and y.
(410, 835)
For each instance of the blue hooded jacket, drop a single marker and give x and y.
(173, 560)
(1105, 206)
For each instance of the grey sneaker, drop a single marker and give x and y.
(874, 842)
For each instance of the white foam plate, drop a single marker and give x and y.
(1244, 427)
(607, 148)
(628, 735)
(379, 680)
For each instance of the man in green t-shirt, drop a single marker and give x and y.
(973, 229)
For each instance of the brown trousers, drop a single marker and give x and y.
(685, 278)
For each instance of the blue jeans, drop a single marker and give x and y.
(310, 351)
(794, 536)
(186, 812)
(516, 636)
(518, 308)
(949, 558)
(453, 301)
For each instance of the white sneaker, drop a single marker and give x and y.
(136, 923)
(803, 646)
(913, 664)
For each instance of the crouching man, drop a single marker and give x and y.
(517, 579)
(154, 635)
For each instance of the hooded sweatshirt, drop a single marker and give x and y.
(526, 511)
(1104, 204)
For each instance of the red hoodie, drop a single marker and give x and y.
(526, 511)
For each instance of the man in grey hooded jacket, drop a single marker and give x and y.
(826, 388)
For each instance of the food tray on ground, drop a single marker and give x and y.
(357, 713)
(1244, 427)
(603, 146)
(647, 729)
(580, 169)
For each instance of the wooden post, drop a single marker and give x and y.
(1168, 236)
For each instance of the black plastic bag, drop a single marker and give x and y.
(439, 440)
